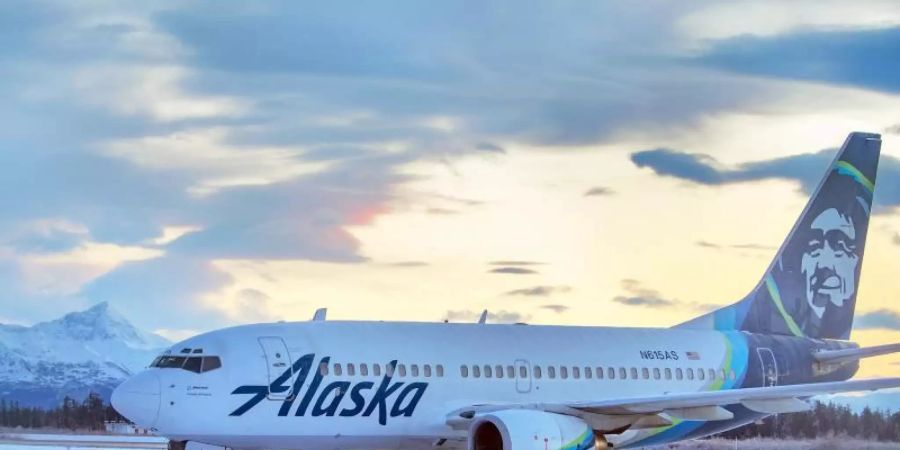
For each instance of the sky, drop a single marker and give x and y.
(200, 164)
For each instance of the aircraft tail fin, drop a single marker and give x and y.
(810, 287)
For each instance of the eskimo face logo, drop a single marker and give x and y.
(829, 261)
(330, 400)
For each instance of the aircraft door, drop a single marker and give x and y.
(523, 376)
(769, 367)
(278, 367)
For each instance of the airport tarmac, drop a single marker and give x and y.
(28, 441)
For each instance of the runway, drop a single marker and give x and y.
(15, 441)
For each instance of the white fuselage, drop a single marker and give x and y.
(351, 414)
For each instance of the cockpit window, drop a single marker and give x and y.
(211, 363)
(196, 364)
(193, 364)
(171, 362)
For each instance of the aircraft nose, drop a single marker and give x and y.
(138, 398)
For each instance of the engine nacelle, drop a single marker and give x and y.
(523, 429)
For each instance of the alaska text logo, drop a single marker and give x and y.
(330, 400)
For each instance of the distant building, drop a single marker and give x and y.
(120, 427)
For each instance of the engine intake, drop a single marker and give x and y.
(523, 429)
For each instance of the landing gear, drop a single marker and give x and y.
(600, 442)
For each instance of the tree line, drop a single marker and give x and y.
(89, 414)
(825, 420)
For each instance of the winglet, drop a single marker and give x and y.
(320, 314)
(483, 317)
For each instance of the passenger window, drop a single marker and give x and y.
(563, 372)
(622, 373)
(551, 372)
(464, 371)
(587, 373)
(701, 375)
(389, 370)
(323, 369)
(611, 373)
(364, 369)
(499, 371)
(599, 373)
(690, 374)
(414, 370)
(679, 374)
(440, 370)
(523, 372)
(634, 373)
(645, 373)
(576, 373)
(476, 371)
(668, 373)
(510, 372)
(427, 369)
(722, 374)
(337, 369)
(211, 363)
(376, 369)
(401, 370)
(537, 372)
(488, 373)
(193, 364)
(656, 374)
(351, 369)
(712, 374)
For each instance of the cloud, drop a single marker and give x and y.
(407, 264)
(864, 58)
(639, 295)
(539, 291)
(896, 239)
(650, 302)
(559, 309)
(501, 316)
(752, 247)
(515, 263)
(513, 271)
(879, 319)
(490, 148)
(806, 169)
(47, 236)
(599, 191)
(441, 211)
(893, 129)
(166, 115)
(713, 245)
(164, 292)
(705, 244)
(252, 305)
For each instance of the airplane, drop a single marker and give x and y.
(329, 385)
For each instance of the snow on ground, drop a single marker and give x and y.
(42, 441)
(775, 444)
(82, 438)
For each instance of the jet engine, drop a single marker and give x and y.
(523, 429)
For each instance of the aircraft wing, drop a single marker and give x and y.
(706, 405)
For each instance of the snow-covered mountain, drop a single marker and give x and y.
(92, 350)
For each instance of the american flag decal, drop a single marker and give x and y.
(693, 356)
